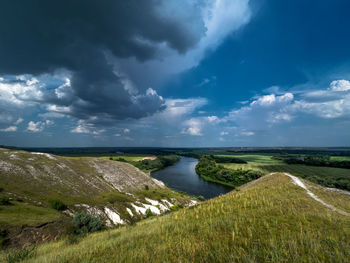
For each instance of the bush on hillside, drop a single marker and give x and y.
(4, 200)
(149, 213)
(85, 223)
(57, 205)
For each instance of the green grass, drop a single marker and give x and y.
(128, 157)
(20, 213)
(340, 158)
(332, 197)
(255, 159)
(269, 220)
(305, 170)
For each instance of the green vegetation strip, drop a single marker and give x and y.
(209, 170)
(150, 164)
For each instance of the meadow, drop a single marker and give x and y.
(268, 220)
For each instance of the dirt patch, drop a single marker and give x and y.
(149, 158)
(19, 237)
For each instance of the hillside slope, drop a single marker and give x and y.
(272, 219)
(117, 192)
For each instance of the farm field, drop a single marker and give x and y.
(255, 161)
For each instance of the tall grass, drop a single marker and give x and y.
(269, 220)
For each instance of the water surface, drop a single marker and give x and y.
(182, 176)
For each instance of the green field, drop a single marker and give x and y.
(269, 220)
(340, 158)
(327, 176)
(129, 157)
(20, 214)
(255, 161)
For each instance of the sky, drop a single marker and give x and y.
(169, 73)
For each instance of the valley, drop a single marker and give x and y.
(276, 215)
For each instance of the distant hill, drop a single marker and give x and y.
(276, 218)
(40, 193)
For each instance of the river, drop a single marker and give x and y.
(182, 176)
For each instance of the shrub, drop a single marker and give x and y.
(85, 223)
(201, 198)
(3, 238)
(4, 200)
(58, 205)
(146, 187)
(175, 207)
(149, 213)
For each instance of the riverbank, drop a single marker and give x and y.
(182, 177)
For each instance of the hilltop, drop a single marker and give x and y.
(41, 192)
(276, 218)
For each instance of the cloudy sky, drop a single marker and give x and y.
(175, 73)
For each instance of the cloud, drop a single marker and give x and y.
(126, 130)
(194, 127)
(212, 118)
(247, 133)
(9, 129)
(206, 81)
(38, 126)
(35, 126)
(266, 111)
(87, 128)
(340, 85)
(223, 133)
(102, 58)
(49, 122)
(19, 121)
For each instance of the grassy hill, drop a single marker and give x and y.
(270, 219)
(40, 192)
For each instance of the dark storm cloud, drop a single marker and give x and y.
(41, 36)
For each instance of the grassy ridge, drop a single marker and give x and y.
(269, 220)
(326, 176)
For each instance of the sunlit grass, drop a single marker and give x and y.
(270, 220)
(340, 158)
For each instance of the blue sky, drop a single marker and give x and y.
(195, 74)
